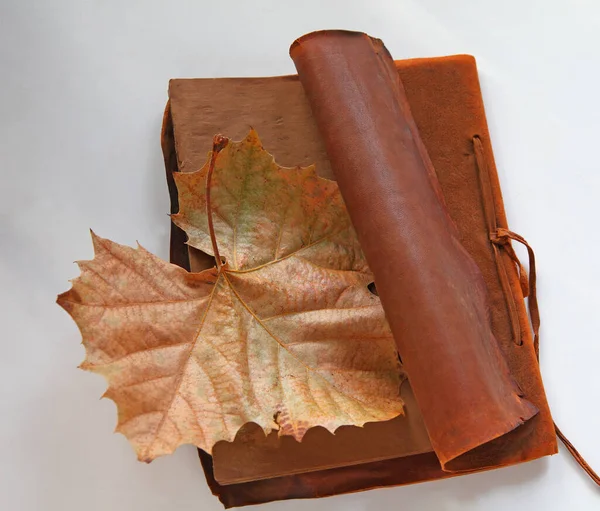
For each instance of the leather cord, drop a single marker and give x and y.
(489, 207)
(578, 457)
(500, 238)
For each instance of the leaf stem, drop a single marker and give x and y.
(219, 143)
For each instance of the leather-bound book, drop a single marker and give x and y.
(409, 145)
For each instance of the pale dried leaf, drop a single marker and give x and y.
(287, 335)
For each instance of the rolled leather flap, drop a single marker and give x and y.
(432, 291)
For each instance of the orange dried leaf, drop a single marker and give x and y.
(285, 334)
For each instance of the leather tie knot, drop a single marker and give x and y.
(500, 236)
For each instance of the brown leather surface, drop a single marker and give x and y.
(432, 291)
(446, 103)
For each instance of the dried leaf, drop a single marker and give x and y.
(285, 333)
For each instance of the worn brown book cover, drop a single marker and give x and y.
(408, 143)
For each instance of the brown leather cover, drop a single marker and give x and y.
(445, 101)
(432, 291)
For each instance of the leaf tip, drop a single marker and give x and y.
(65, 300)
(61, 298)
(85, 366)
(310, 170)
(143, 454)
(96, 242)
(252, 138)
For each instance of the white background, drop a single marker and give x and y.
(82, 89)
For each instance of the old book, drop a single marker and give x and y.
(409, 145)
